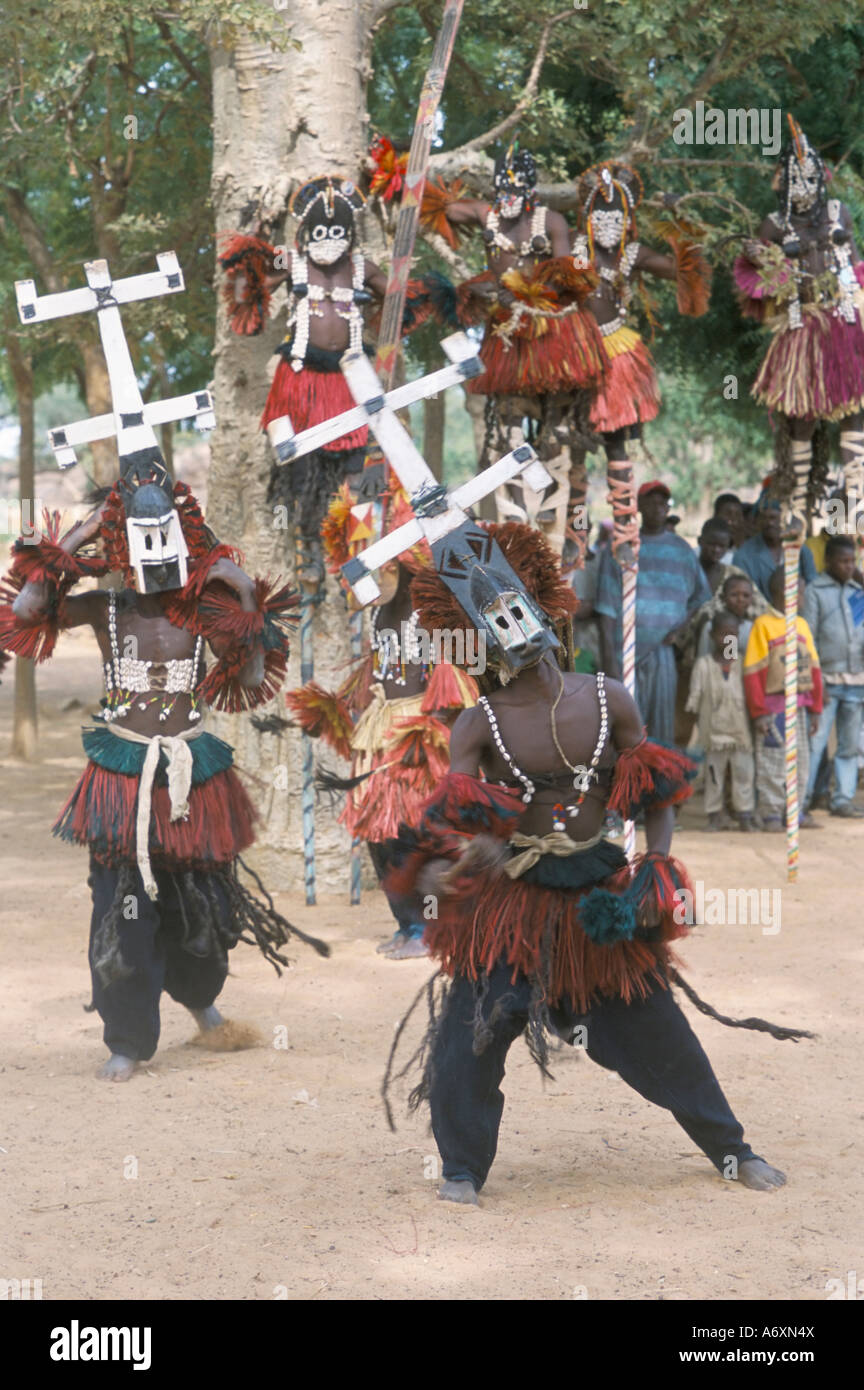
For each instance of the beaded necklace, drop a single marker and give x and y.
(307, 299)
(389, 653)
(583, 776)
(537, 244)
(127, 677)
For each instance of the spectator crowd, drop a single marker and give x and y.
(711, 652)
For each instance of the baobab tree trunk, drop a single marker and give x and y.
(25, 717)
(279, 118)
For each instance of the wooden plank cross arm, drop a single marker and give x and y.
(463, 364)
(437, 511)
(131, 420)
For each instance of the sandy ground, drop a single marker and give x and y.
(271, 1173)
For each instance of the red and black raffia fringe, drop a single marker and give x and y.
(236, 635)
(322, 714)
(530, 555)
(693, 271)
(356, 689)
(437, 197)
(34, 640)
(538, 932)
(44, 561)
(461, 807)
(41, 562)
(448, 688)
(406, 767)
(429, 296)
(573, 284)
(649, 777)
(473, 305)
(253, 258)
(102, 810)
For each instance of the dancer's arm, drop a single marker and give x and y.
(559, 234)
(468, 212)
(628, 731)
(38, 596)
(252, 673)
(655, 263)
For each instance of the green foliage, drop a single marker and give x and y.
(74, 72)
(106, 150)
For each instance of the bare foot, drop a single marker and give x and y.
(207, 1018)
(117, 1068)
(463, 1192)
(755, 1173)
(410, 948)
(385, 947)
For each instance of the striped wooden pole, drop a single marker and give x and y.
(791, 560)
(625, 548)
(629, 579)
(355, 630)
(310, 597)
(390, 334)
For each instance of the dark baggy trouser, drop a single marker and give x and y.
(648, 1042)
(406, 908)
(150, 944)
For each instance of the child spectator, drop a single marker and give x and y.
(717, 699)
(764, 671)
(832, 607)
(738, 596)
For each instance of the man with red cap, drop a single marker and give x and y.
(670, 587)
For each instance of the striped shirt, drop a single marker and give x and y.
(670, 585)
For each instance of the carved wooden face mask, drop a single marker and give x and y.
(157, 547)
(514, 628)
(158, 551)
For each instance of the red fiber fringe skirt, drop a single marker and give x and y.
(629, 395)
(815, 372)
(375, 810)
(102, 809)
(503, 921)
(311, 397)
(568, 357)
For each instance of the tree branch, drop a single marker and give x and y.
(32, 236)
(481, 141)
(682, 161)
(67, 109)
(186, 63)
(383, 7)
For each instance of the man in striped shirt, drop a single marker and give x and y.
(670, 587)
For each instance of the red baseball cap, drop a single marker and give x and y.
(655, 485)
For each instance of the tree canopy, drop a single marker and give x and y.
(106, 150)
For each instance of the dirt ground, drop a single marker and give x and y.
(271, 1174)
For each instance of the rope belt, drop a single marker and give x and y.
(179, 755)
(533, 847)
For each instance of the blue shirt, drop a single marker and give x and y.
(755, 559)
(670, 584)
